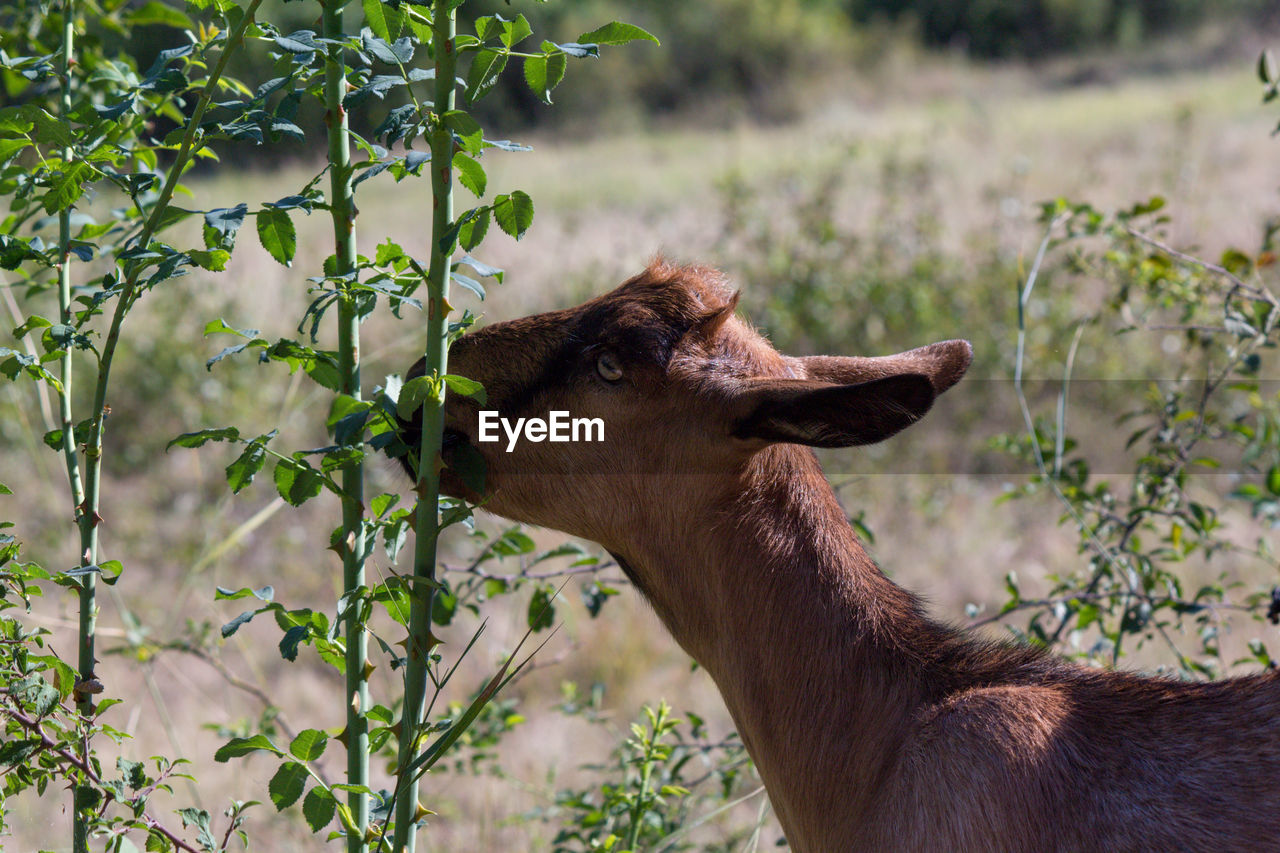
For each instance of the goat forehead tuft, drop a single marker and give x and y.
(691, 288)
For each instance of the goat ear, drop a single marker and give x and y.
(942, 363)
(710, 323)
(820, 414)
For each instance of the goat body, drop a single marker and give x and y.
(873, 727)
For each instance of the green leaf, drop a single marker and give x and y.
(1273, 480)
(512, 543)
(198, 439)
(444, 605)
(399, 52)
(544, 73)
(309, 744)
(287, 784)
(617, 32)
(240, 473)
(80, 434)
(465, 387)
(51, 131)
(469, 283)
(33, 322)
(199, 818)
(10, 147)
(577, 51)
(296, 481)
(516, 31)
(15, 362)
(68, 186)
(542, 611)
(277, 235)
(378, 505)
(414, 394)
(267, 593)
(514, 213)
(292, 639)
(375, 17)
(239, 622)
(483, 75)
(467, 128)
(14, 752)
(318, 808)
(40, 694)
(220, 325)
(221, 225)
(133, 773)
(241, 746)
(470, 174)
(214, 260)
(482, 268)
(388, 252)
(110, 571)
(471, 232)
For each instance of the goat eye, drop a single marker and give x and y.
(607, 367)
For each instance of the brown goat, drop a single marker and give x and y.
(873, 727)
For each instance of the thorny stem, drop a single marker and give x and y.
(87, 517)
(88, 583)
(343, 210)
(444, 28)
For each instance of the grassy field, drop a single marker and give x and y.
(955, 164)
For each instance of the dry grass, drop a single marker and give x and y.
(997, 142)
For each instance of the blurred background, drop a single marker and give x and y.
(869, 173)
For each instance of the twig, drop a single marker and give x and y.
(235, 681)
(1154, 601)
(524, 575)
(1256, 292)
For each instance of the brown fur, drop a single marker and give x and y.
(873, 727)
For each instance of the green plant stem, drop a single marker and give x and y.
(343, 211)
(444, 28)
(87, 517)
(87, 629)
(646, 771)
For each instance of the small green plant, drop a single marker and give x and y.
(665, 780)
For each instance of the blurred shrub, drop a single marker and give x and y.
(832, 281)
(996, 28)
(742, 56)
